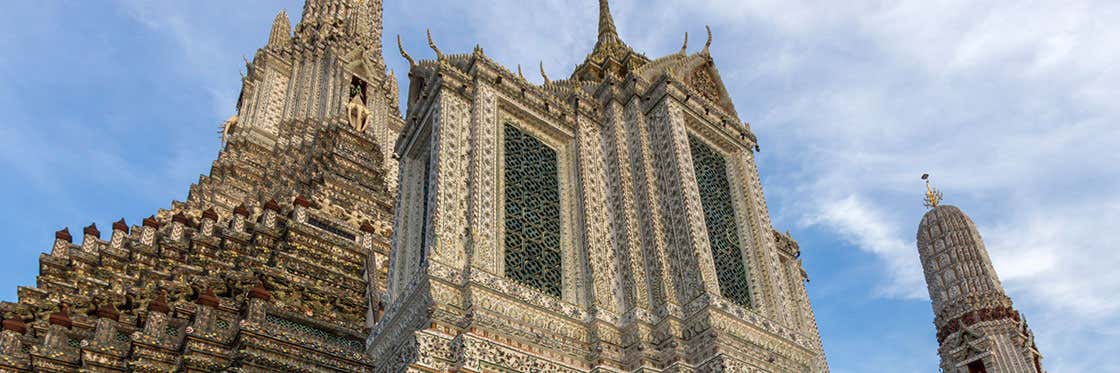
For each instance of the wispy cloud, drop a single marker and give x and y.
(1005, 103)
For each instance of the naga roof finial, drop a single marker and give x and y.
(411, 62)
(684, 48)
(708, 44)
(543, 75)
(432, 44)
(933, 196)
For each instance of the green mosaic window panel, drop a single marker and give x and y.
(719, 216)
(532, 212)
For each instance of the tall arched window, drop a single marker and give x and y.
(532, 212)
(719, 216)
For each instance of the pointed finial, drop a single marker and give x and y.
(933, 196)
(684, 48)
(411, 62)
(281, 34)
(543, 75)
(607, 30)
(432, 44)
(519, 74)
(708, 44)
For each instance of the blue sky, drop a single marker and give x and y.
(111, 109)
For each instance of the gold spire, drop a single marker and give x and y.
(610, 54)
(607, 31)
(933, 196)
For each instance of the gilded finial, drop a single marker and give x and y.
(543, 75)
(411, 62)
(519, 74)
(607, 31)
(708, 44)
(684, 48)
(933, 196)
(432, 44)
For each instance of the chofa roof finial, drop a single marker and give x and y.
(411, 62)
(708, 44)
(543, 75)
(432, 44)
(684, 47)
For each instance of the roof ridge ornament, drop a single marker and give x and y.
(411, 62)
(933, 196)
(684, 47)
(708, 44)
(543, 75)
(432, 44)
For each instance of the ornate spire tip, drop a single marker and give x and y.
(933, 196)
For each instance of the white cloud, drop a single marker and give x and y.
(1011, 106)
(861, 225)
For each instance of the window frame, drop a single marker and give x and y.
(736, 168)
(561, 142)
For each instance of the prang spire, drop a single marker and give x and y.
(610, 55)
(281, 31)
(608, 43)
(608, 34)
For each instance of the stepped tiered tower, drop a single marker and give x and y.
(276, 261)
(609, 222)
(978, 329)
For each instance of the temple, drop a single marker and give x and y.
(612, 221)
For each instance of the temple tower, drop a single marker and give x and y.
(978, 329)
(612, 221)
(276, 261)
(329, 71)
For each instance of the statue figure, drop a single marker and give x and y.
(359, 114)
(227, 127)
